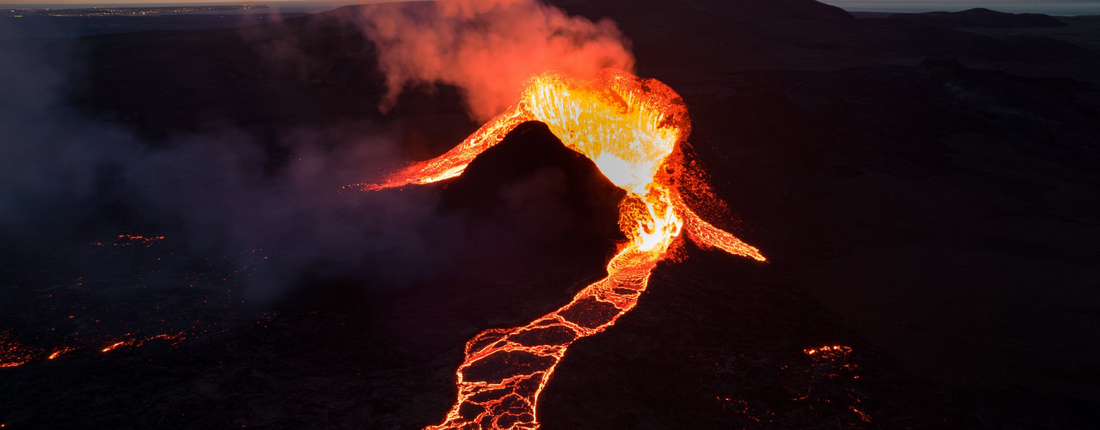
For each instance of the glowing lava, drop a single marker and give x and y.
(61, 351)
(116, 345)
(628, 127)
(137, 342)
(129, 240)
(12, 353)
(828, 351)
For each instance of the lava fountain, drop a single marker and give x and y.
(629, 127)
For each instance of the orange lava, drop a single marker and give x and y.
(628, 127)
(862, 415)
(143, 240)
(12, 353)
(137, 342)
(116, 345)
(828, 351)
(129, 240)
(61, 351)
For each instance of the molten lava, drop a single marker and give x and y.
(139, 341)
(61, 351)
(628, 127)
(12, 353)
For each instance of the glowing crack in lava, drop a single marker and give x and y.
(629, 127)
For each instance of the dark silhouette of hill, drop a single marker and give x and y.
(981, 18)
(1079, 33)
(28, 27)
(323, 67)
(540, 195)
(715, 37)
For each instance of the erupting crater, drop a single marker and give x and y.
(628, 127)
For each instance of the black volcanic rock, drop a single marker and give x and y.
(532, 191)
(967, 183)
(980, 18)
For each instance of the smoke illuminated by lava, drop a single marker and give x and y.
(628, 127)
(487, 48)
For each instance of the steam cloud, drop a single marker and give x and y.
(488, 48)
(67, 177)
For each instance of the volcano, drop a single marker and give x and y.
(923, 192)
(629, 127)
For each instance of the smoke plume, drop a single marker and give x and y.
(69, 176)
(488, 48)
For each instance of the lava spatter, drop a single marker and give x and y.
(628, 127)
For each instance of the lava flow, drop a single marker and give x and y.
(628, 127)
(12, 353)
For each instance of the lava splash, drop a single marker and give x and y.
(629, 127)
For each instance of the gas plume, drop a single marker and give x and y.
(488, 48)
(68, 178)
